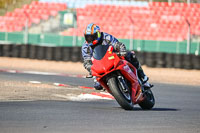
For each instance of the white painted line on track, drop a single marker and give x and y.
(87, 97)
(82, 97)
(12, 71)
(105, 95)
(35, 82)
(41, 73)
(59, 84)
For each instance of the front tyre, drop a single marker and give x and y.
(149, 100)
(123, 98)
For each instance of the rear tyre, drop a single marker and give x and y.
(123, 98)
(149, 100)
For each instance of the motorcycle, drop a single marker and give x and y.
(119, 78)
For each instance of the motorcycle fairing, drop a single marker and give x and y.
(110, 63)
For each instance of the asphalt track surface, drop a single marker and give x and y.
(177, 110)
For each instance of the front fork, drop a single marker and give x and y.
(136, 85)
(123, 84)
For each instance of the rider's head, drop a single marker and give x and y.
(92, 34)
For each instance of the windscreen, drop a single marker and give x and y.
(99, 51)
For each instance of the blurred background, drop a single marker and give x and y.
(163, 33)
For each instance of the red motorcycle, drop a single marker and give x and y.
(119, 78)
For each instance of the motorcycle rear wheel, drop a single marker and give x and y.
(149, 100)
(121, 98)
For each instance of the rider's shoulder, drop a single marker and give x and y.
(85, 44)
(107, 36)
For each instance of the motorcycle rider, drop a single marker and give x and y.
(93, 37)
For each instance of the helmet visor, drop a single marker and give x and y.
(91, 38)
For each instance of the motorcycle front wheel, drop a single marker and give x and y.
(149, 100)
(123, 98)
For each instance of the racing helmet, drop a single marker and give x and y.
(92, 34)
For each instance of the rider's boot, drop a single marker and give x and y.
(143, 78)
(131, 57)
(97, 85)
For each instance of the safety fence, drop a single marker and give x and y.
(151, 59)
(55, 40)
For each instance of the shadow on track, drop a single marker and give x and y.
(74, 105)
(165, 109)
(154, 109)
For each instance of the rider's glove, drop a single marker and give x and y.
(87, 64)
(122, 53)
(88, 68)
(121, 48)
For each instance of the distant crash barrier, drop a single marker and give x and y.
(41, 52)
(151, 59)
